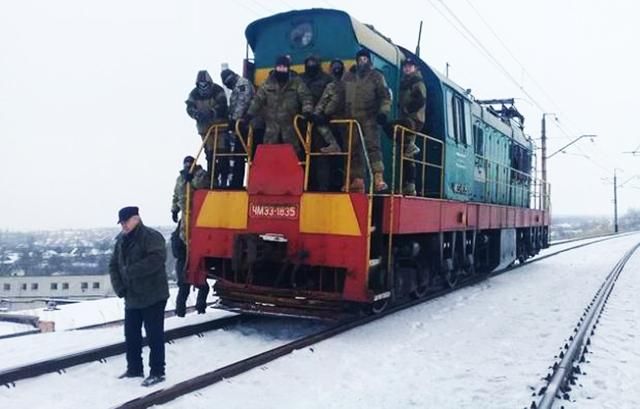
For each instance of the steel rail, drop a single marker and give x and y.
(167, 314)
(8, 377)
(563, 372)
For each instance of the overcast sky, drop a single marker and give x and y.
(92, 93)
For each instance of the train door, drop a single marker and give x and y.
(480, 168)
(459, 153)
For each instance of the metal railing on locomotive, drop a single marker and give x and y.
(400, 133)
(351, 125)
(518, 182)
(216, 130)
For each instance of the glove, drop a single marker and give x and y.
(319, 119)
(174, 216)
(381, 118)
(308, 117)
(205, 116)
(188, 177)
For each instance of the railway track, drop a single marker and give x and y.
(9, 377)
(563, 374)
(210, 378)
(171, 313)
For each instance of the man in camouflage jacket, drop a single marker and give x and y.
(282, 96)
(197, 180)
(207, 104)
(411, 107)
(367, 99)
(242, 93)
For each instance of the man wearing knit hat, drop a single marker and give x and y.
(367, 99)
(280, 98)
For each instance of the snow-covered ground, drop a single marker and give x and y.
(612, 370)
(7, 328)
(71, 316)
(482, 347)
(487, 346)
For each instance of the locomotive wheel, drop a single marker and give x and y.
(423, 282)
(451, 277)
(420, 291)
(380, 305)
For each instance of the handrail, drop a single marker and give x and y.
(527, 184)
(247, 146)
(401, 132)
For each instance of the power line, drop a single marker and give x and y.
(492, 58)
(522, 66)
(478, 44)
(263, 7)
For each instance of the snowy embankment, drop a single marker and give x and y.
(611, 376)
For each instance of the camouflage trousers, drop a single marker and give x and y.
(373, 148)
(286, 135)
(325, 132)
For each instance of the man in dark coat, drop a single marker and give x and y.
(138, 275)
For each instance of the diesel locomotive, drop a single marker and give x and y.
(276, 246)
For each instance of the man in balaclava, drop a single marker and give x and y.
(278, 100)
(331, 106)
(411, 110)
(194, 177)
(242, 92)
(316, 80)
(367, 99)
(207, 104)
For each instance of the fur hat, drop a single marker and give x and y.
(126, 213)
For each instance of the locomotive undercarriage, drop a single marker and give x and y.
(259, 278)
(423, 263)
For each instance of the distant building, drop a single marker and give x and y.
(61, 286)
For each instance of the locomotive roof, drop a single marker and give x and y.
(365, 35)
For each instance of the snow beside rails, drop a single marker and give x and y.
(611, 376)
(483, 347)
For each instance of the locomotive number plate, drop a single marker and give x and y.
(273, 211)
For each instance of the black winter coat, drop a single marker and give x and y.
(137, 267)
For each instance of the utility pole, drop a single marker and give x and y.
(543, 142)
(615, 201)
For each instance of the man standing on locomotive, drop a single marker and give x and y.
(317, 80)
(198, 180)
(411, 103)
(331, 106)
(282, 96)
(138, 275)
(241, 95)
(369, 102)
(207, 104)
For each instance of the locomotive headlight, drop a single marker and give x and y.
(301, 35)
